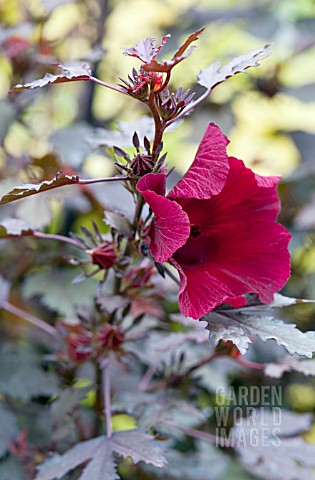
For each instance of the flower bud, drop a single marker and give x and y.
(79, 346)
(104, 256)
(142, 164)
(110, 337)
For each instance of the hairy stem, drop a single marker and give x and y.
(8, 307)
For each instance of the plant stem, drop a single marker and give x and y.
(98, 398)
(139, 207)
(159, 127)
(107, 399)
(61, 238)
(189, 107)
(205, 361)
(8, 307)
(107, 85)
(248, 364)
(192, 432)
(100, 180)
(146, 379)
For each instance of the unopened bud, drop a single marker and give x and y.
(142, 164)
(110, 337)
(104, 256)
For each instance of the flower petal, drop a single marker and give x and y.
(240, 248)
(208, 172)
(170, 227)
(156, 182)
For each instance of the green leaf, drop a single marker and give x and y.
(8, 429)
(71, 73)
(215, 74)
(57, 292)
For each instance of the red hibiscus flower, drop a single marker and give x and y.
(218, 227)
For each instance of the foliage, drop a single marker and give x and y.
(103, 374)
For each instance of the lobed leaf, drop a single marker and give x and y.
(71, 73)
(179, 55)
(28, 189)
(241, 330)
(294, 457)
(101, 466)
(145, 49)
(289, 364)
(58, 465)
(215, 74)
(132, 443)
(139, 446)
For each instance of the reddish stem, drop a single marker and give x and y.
(8, 307)
(192, 432)
(60, 238)
(100, 180)
(107, 85)
(248, 364)
(107, 399)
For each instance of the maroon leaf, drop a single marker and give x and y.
(99, 451)
(72, 73)
(179, 55)
(145, 49)
(28, 189)
(215, 74)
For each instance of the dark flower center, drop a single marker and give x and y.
(195, 231)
